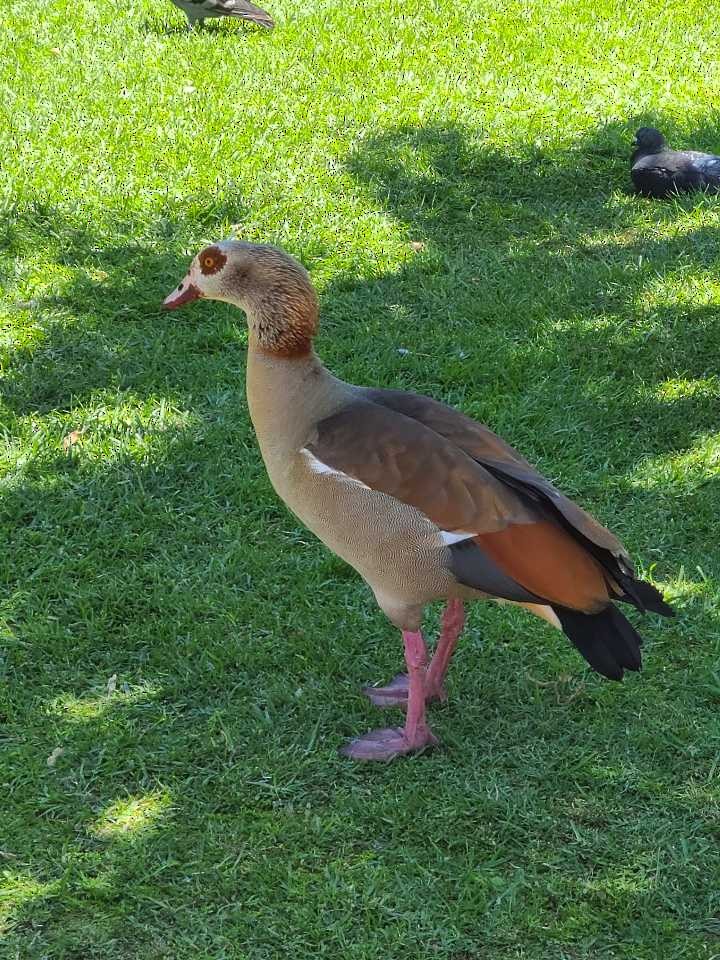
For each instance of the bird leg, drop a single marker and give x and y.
(392, 742)
(396, 692)
(453, 621)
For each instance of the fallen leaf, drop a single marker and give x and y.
(417, 246)
(53, 758)
(112, 683)
(71, 439)
(56, 50)
(189, 89)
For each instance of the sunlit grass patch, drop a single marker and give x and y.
(116, 693)
(16, 891)
(108, 428)
(704, 388)
(684, 472)
(126, 818)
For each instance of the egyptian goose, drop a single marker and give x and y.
(658, 171)
(422, 501)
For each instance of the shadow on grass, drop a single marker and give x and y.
(532, 268)
(534, 293)
(98, 324)
(529, 264)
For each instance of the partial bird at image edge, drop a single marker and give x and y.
(198, 10)
(660, 172)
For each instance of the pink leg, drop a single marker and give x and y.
(453, 621)
(396, 692)
(415, 735)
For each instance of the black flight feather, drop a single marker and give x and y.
(608, 641)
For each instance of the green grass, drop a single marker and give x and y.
(199, 809)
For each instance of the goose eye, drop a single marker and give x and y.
(212, 260)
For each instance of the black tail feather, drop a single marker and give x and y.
(644, 596)
(608, 641)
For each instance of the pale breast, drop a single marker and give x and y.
(393, 546)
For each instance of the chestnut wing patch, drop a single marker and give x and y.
(547, 561)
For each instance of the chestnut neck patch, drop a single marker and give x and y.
(212, 259)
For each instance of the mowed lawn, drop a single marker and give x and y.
(180, 659)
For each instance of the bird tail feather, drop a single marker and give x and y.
(644, 596)
(608, 641)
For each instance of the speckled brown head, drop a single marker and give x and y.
(271, 287)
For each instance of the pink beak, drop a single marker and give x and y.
(184, 293)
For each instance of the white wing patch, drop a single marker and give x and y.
(317, 466)
(450, 538)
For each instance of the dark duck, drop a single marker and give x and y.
(658, 171)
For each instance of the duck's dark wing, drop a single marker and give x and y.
(675, 171)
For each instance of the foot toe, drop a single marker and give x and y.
(393, 694)
(386, 744)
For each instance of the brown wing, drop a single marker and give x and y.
(393, 453)
(502, 461)
(516, 552)
(474, 438)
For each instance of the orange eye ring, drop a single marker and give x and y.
(208, 262)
